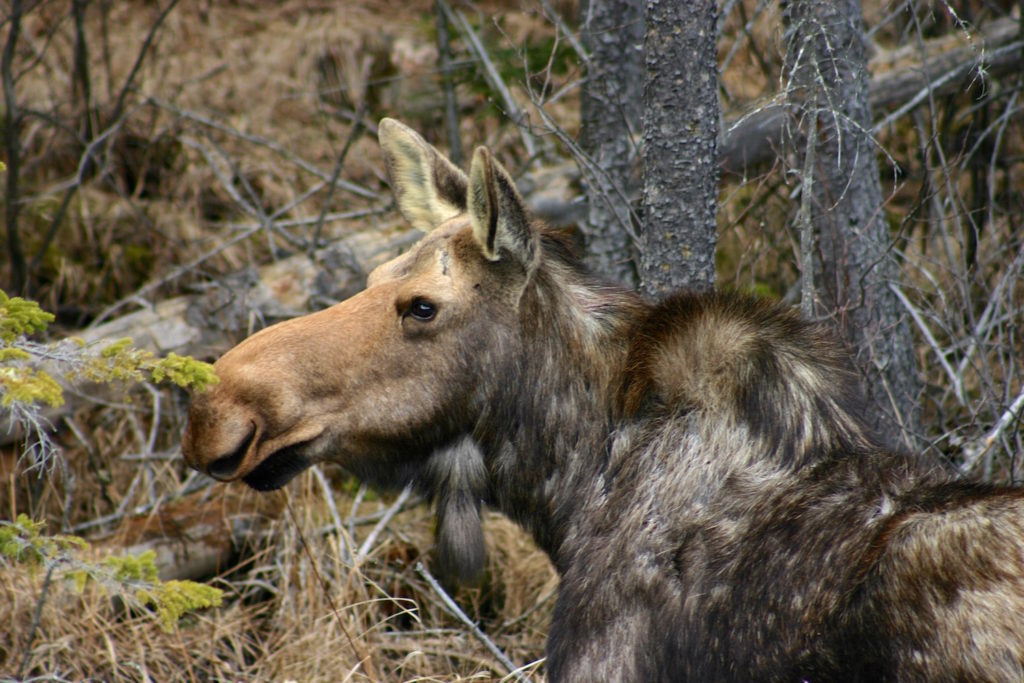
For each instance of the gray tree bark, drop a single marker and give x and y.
(854, 268)
(681, 121)
(610, 108)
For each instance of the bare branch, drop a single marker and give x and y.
(457, 612)
(444, 65)
(954, 377)
(146, 44)
(272, 145)
(493, 77)
(371, 538)
(974, 452)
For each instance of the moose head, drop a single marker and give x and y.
(379, 382)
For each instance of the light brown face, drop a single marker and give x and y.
(378, 381)
(350, 383)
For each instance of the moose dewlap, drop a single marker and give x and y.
(698, 469)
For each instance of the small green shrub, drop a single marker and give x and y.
(132, 577)
(29, 371)
(27, 384)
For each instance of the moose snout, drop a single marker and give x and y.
(226, 467)
(219, 439)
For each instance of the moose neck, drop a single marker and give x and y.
(601, 376)
(548, 428)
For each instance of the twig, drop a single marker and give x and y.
(574, 42)
(339, 529)
(444, 64)
(367, 545)
(353, 135)
(261, 141)
(958, 389)
(119, 106)
(154, 428)
(305, 222)
(981, 328)
(455, 610)
(979, 448)
(747, 29)
(596, 174)
(35, 621)
(492, 76)
(360, 494)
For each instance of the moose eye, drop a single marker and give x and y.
(422, 310)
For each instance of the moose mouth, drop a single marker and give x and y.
(279, 468)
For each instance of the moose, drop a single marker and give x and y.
(701, 470)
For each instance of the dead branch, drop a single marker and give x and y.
(493, 77)
(192, 537)
(975, 450)
(456, 611)
(752, 139)
(444, 65)
(274, 146)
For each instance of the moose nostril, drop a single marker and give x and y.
(225, 466)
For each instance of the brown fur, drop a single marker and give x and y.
(699, 470)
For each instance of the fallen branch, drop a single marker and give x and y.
(754, 138)
(193, 538)
(457, 612)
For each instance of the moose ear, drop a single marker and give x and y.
(500, 221)
(428, 188)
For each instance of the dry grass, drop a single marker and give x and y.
(297, 605)
(234, 123)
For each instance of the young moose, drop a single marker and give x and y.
(698, 469)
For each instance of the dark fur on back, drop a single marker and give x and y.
(703, 477)
(726, 513)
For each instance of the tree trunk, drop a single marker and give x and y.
(681, 120)
(12, 146)
(612, 31)
(855, 267)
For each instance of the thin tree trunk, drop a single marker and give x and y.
(444, 64)
(856, 267)
(610, 107)
(12, 145)
(681, 120)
